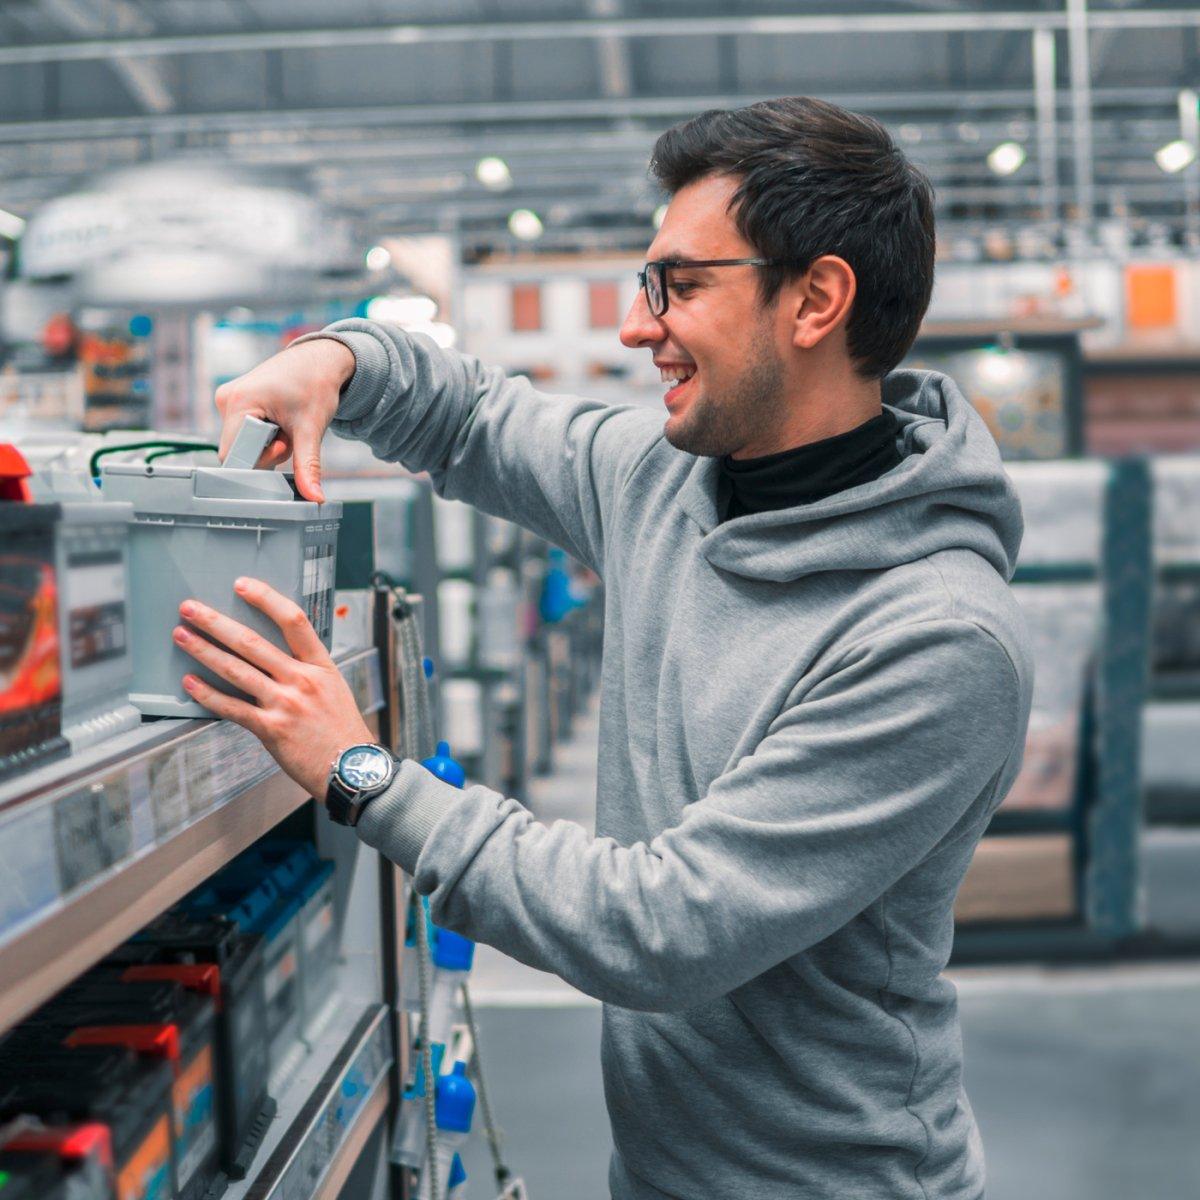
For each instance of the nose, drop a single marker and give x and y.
(640, 329)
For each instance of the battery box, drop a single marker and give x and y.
(30, 653)
(244, 893)
(108, 1007)
(173, 946)
(91, 557)
(195, 531)
(68, 1162)
(113, 1085)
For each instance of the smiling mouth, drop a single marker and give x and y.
(678, 377)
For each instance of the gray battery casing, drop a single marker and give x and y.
(195, 531)
(91, 555)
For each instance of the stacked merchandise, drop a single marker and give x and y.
(168, 1044)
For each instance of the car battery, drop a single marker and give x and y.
(252, 898)
(80, 1159)
(30, 653)
(314, 885)
(107, 1007)
(195, 531)
(113, 1085)
(175, 946)
(92, 566)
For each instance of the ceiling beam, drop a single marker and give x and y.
(459, 33)
(657, 108)
(143, 76)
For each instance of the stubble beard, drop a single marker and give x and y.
(713, 428)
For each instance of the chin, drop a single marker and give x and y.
(690, 432)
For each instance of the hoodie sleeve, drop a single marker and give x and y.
(554, 464)
(912, 733)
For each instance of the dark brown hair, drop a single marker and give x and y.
(815, 179)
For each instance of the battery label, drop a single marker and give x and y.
(318, 589)
(280, 975)
(318, 928)
(97, 629)
(147, 1174)
(195, 1127)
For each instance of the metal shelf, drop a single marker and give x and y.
(327, 1113)
(94, 847)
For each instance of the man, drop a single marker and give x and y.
(815, 684)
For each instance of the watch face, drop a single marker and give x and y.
(364, 767)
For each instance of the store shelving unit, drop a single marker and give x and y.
(1088, 845)
(94, 847)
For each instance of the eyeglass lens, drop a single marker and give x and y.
(655, 292)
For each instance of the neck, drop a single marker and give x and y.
(821, 405)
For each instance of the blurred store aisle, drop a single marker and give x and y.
(1085, 1080)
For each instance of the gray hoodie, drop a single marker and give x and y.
(807, 719)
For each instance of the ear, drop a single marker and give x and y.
(823, 298)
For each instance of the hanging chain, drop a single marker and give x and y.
(491, 1132)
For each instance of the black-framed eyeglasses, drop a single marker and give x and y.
(654, 278)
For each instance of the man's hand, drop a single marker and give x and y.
(296, 389)
(304, 713)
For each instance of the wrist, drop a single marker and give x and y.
(330, 357)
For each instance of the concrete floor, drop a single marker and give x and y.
(1085, 1081)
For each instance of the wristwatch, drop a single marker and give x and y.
(357, 776)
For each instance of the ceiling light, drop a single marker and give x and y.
(11, 226)
(379, 258)
(910, 133)
(525, 224)
(1006, 158)
(968, 132)
(493, 173)
(402, 310)
(1174, 156)
(660, 215)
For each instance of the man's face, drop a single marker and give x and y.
(717, 346)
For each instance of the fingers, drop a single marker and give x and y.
(278, 451)
(297, 630)
(306, 458)
(230, 668)
(229, 708)
(245, 643)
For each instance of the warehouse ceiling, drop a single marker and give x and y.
(385, 107)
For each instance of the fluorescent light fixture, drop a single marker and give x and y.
(910, 133)
(1174, 156)
(11, 226)
(493, 173)
(660, 215)
(1006, 158)
(379, 258)
(402, 310)
(525, 224)
(968, 132)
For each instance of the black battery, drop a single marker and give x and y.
(31, 1177)
(129, 1093)
(182, 1025)
(80, 1157)
(243, 1106)
(30, 654)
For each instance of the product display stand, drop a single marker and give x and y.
(95, 846)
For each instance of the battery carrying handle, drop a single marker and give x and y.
(252, 439)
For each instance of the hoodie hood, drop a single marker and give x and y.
(950, 492)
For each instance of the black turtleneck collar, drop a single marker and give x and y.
(813, 472)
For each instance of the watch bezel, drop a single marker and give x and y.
(343, 801)
(374, 787)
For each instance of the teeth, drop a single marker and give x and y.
(676, 374)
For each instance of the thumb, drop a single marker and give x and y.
(306, 460)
